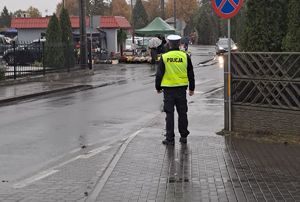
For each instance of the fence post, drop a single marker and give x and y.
(226, 97)
(43, 58)
(67, 56)
(15, 68)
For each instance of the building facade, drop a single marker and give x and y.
(30, 29)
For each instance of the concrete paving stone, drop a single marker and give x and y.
(169, 200)
(232, 198)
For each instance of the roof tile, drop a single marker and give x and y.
(42, 22)
(114, 22)
(108, 22)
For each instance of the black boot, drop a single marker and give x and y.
(183, 140)
(168, 142)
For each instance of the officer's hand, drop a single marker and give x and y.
(191, 93)
(159, 91)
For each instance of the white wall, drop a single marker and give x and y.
(112, 42)
(27, 35)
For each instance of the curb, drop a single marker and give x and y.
(48, 77)
(77, 87)
(24, 97)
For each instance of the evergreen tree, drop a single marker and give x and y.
(265, 25)
(53, 45)
(207, 25)
(291, 41)
(140, 17)
(237, 25)
(5, 18)
(67, 38)
(122, 36)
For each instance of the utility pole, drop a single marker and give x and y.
(83, 37)
(91, 42)
(90, 45)
(132, 24)
(175, 14)
(162, 7)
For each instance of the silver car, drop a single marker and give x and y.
(222, 46)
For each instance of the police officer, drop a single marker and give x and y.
(174, 74)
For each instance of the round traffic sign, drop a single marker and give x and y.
(227, 8)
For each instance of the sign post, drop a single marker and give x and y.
(229, 76)
(227, 9)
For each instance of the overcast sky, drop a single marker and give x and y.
(42, 5)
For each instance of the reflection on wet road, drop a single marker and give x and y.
(34, 133)
(221, 61)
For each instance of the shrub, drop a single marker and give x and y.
(53, 47)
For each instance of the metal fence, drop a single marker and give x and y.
(270, 80)
(29, 59)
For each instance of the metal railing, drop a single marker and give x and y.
(270, 80)
(35, 58)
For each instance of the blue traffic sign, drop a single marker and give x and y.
(227, 8)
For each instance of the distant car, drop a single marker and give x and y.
(222, 46)
(129, 46)
(25, 54)
(140, 44)
(4, 44)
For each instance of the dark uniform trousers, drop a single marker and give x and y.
(176, 97)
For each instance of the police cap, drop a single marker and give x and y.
(173, 37)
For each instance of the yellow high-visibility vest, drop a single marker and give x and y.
(175, 69)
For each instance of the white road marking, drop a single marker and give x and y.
(55, 169)
(94, 152)
(34, 178)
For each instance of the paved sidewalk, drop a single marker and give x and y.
(208, 168)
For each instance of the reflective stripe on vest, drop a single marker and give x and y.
(175, 69)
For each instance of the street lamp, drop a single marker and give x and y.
(132, 24)
(83, 37)
(175, 14)
(162, 7)
(91, 34)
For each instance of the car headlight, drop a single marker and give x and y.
(234, 47)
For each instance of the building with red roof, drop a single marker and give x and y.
(30, 29)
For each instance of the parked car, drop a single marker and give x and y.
(222, 46)
(140, 43)
(4, 44)
(25, 53)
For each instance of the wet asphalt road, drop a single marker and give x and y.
(38, 132)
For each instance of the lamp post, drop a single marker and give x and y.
(174, 14)
(162, 7)
(91, 34)
(83, 37)
(132, 24)
(91, 42)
